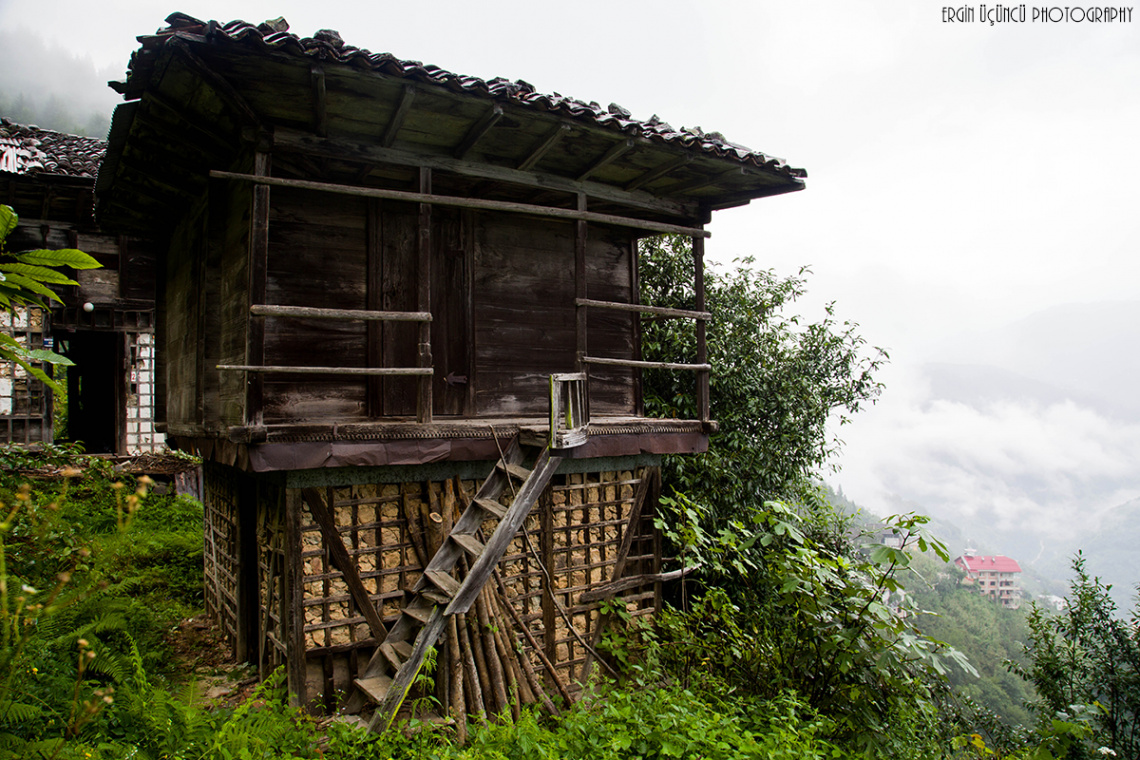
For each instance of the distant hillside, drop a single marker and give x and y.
(1087, 349)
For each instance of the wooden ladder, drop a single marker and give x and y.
(437, 595)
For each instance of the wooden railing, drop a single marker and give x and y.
(424, 371)
(701, 366)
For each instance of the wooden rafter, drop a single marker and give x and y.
(478, 130)
(320, 101)
(607, 158)
(397, 120)
(657, 172)
(216, 80)
(305, 142)
(544, 144)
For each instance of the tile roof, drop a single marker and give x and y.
(990, 564)
(31, 150)
(327, 45)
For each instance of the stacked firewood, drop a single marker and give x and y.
(483, 665)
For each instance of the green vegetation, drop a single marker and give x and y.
(25, 280)
(795, 638)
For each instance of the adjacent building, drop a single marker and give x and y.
(996, 576)
(105, 324)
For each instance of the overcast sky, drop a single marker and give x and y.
(963, 179)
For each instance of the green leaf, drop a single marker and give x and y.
(32, 285)
(43, 274)
(49, 356)
(8, 220)
(62, 257)
(39, 374)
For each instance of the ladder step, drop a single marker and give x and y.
(492, 506)
(376, 687)
(514, 470)
(422, 614)
(435, 596)
(468, 543)
(395, 654)
(443, 582)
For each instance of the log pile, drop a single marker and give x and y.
(483, 662)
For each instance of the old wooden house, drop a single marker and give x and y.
(399, 319)
(105, 324)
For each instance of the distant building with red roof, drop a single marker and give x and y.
(995, 576)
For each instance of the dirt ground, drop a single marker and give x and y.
(203, 656)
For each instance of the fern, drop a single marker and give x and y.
(13, 713)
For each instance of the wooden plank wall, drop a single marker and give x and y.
(524, 313)
(502, 301)
(183, 304)
(317, 257)
(227, 316)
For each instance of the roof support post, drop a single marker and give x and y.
(423, 297)
(580, 286)
(258, 269)
(702, 347)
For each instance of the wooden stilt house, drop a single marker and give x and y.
(105, 324)
(399, 319)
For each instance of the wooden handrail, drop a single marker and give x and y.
(645, 365)
(363, 315)
(659, 310)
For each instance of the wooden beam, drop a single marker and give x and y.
(631, 525)
(320, 101)
(607, 158)
(258, 277)
(580, 291)
(613, 588)
(702, 346)
(397, 120)
(542, 146)
(374, 301)
(478, 203)
(658, 172)
(358, 315)
(338, 553)
(646, 365)
(305, 142)
(284, 370)
(659, 310)
(292, 623)
(423, 296)
(216, 80)
(478, 130)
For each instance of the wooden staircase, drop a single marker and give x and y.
(437, 595)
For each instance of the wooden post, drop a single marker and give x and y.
(580, 289)
(546, 548)
(423, 300)
(702, 347)
(374, 301)
(258, 267)
(294, 621)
